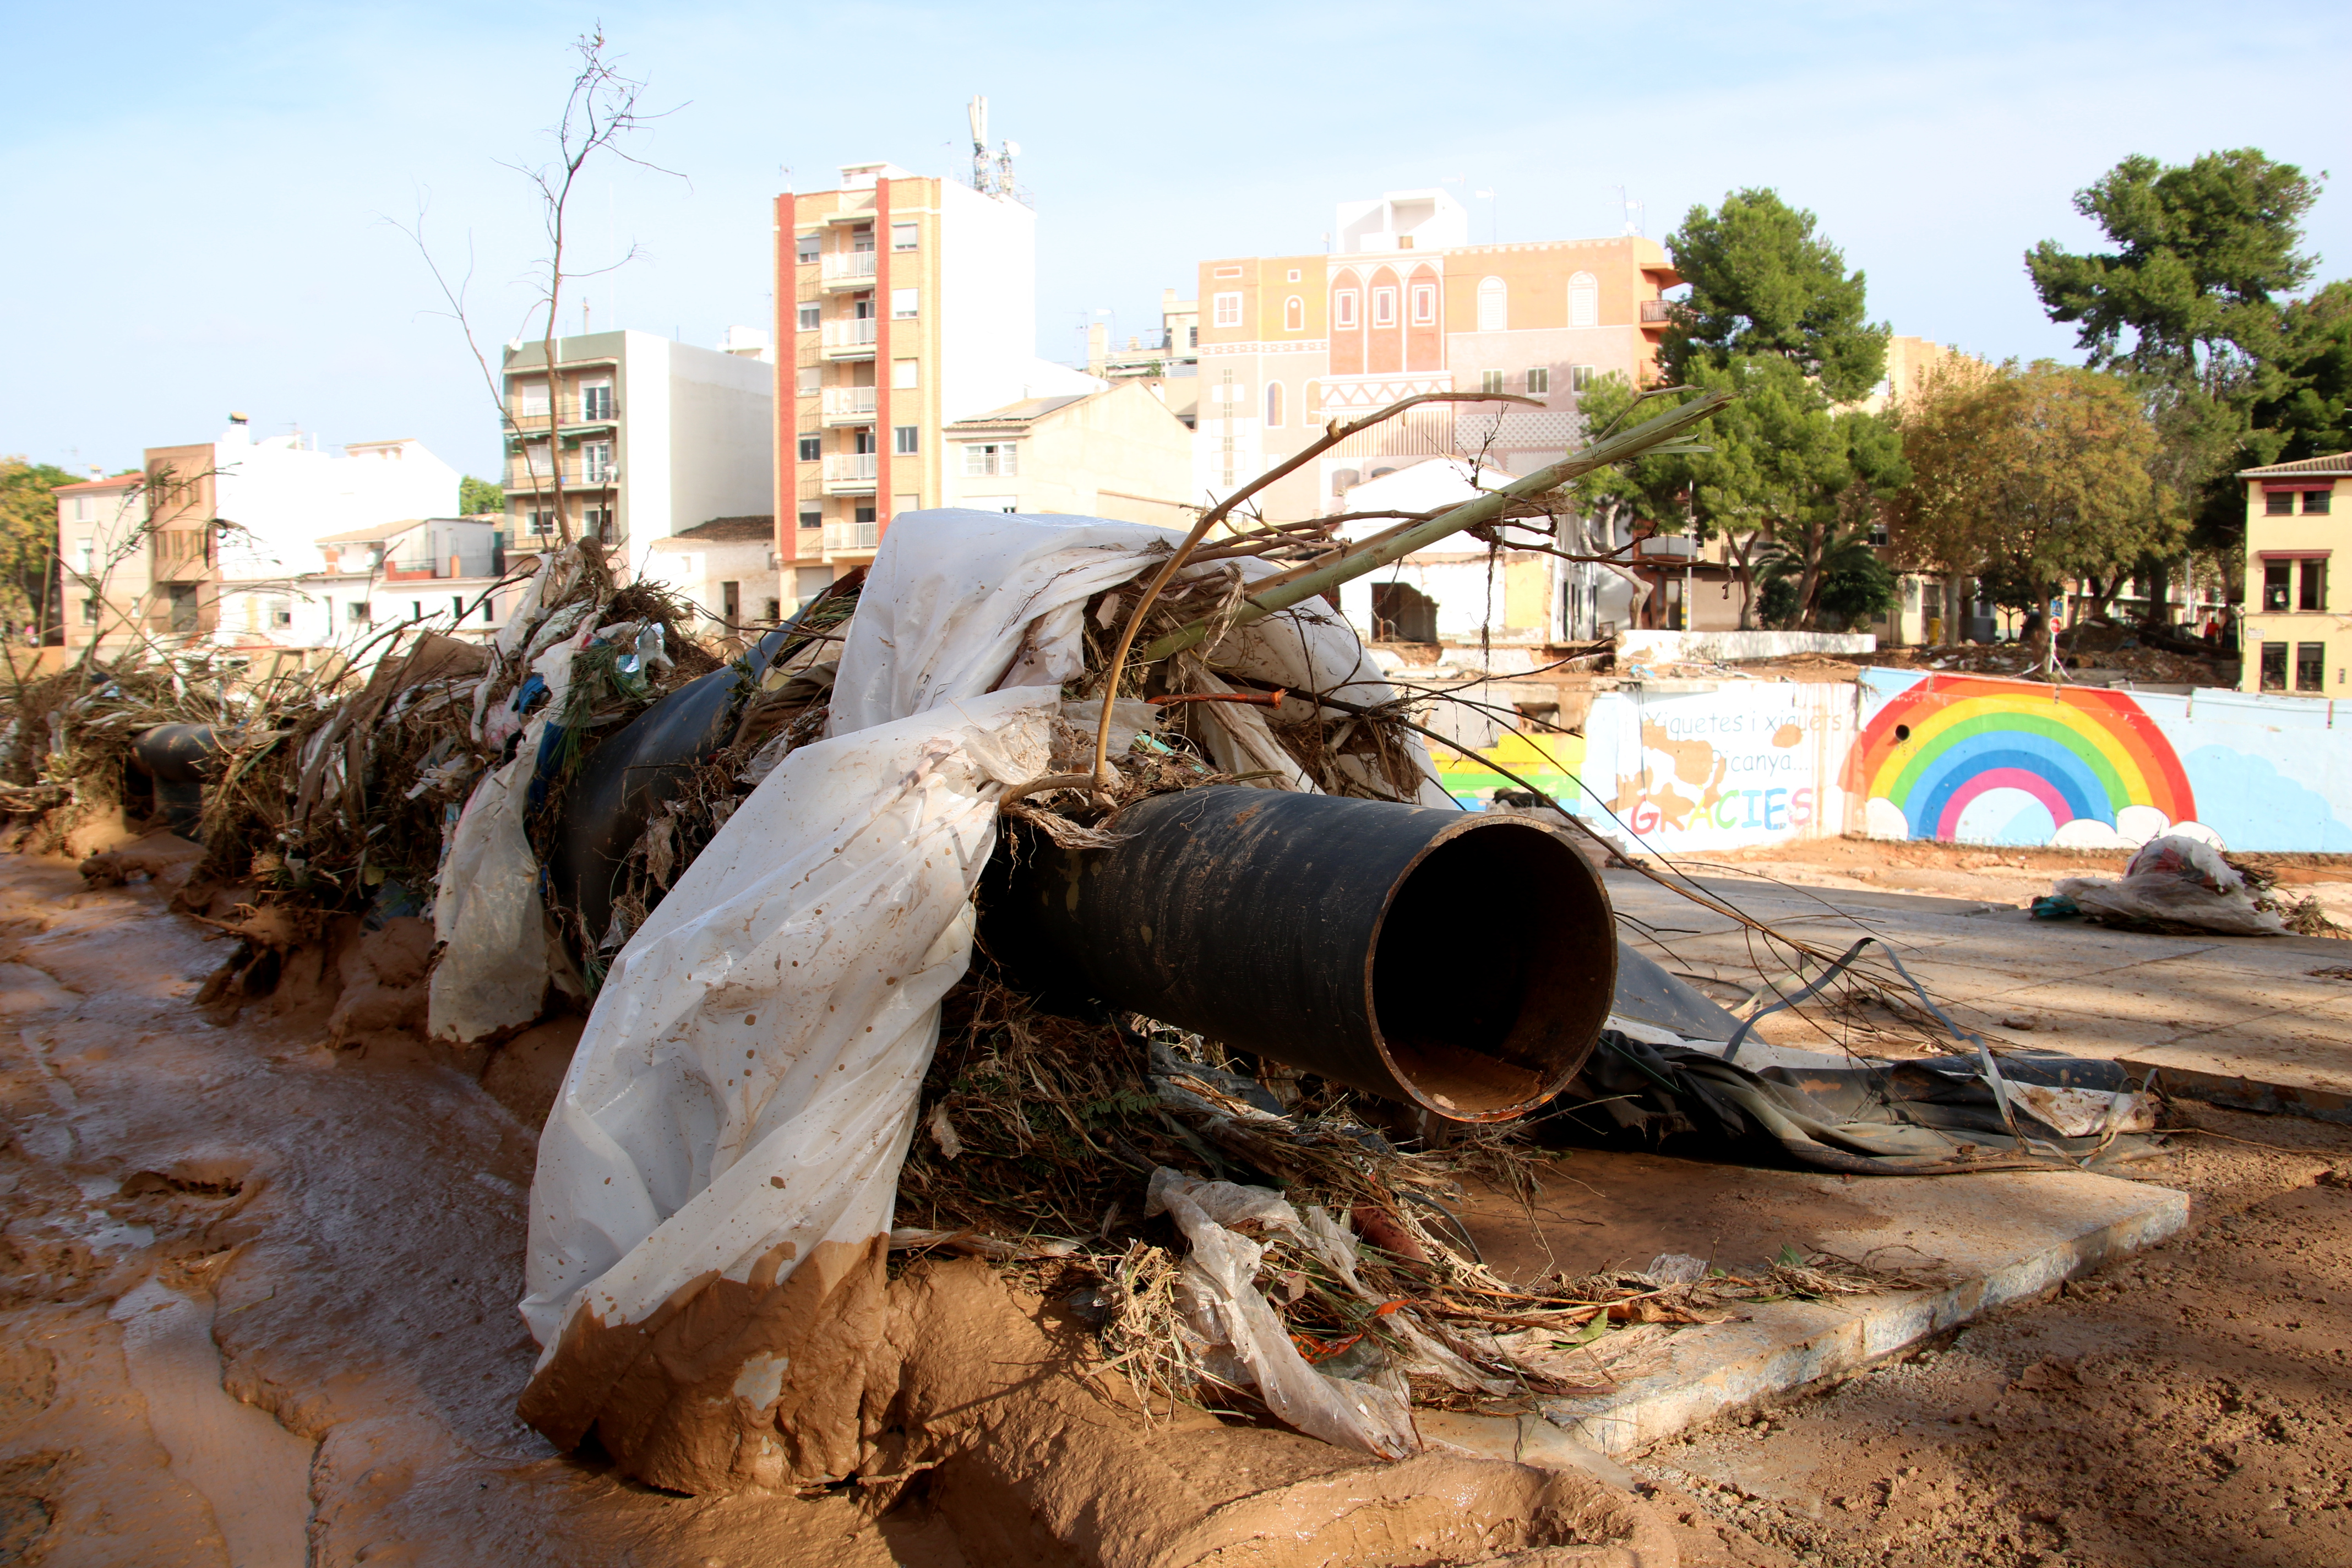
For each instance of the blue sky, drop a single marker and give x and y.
(203, 192)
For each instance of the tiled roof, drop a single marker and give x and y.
(2338, 463)
(729, 530)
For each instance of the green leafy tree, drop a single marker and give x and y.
(2028, 478)
(28, 547)
(2187, 304)
(1763, 282)
(476, 497)
(2308, 412)
(1774, 317)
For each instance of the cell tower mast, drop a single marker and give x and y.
(992, 173)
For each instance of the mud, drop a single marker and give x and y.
(283, 1209)
(2182, 1409)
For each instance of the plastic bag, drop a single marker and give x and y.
(2171, 882)
(1227, 1312)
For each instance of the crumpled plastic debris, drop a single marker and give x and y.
(1224, 1307)
(2172, 881)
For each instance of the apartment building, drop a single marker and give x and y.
(2295, 638)
(1403, 304)
(104, 563)
(904, 303)
(1122, 453)
(233, 524)
(653, 436)
(1173, 349)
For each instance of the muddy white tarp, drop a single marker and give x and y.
(710, 1214)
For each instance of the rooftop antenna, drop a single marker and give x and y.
(1635, 210)
(992, 173)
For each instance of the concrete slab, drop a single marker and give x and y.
(2254, 1023)
(1992, 1238)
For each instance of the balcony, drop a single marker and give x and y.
(852, 339)
(1656, 312)
(847, 472)
(846, 269)
(848, 405)
(851, 535)
(576, 476)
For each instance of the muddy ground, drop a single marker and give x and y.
(256, 1308)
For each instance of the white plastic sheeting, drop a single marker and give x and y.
(747, 1081)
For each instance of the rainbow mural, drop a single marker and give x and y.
(1551, 763)
(1956, 758)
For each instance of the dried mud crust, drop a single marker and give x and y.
(2183, 1409)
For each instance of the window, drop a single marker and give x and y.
(596, 461)
(1424, 304)
(88, 550)
(731, 602)
(1579, 377)
(1227, 272)
(1490, 381)
(862, 514)
(806, 246)
(2315, 502)
(1228, 308)
(861, 439)
(2278, 503)
(812, 447)
(1385, 307)
(2314, 586)
(990, 457)
(902, 303)
(2273, 667)
(1273, 404)
(531, 401)
(809, 380)
(536, 460)
(902, 236)
(1494, 305)
(1584, 300)
(596, 400)
(861, 307)
(1294, 314)
(281, 614)
(775, 611)
(1539, 381)
(1293, 275)
(811, 518)
(2310, 666)
(903, 372)
(356, 612)
(861, 239)
(1343, 308)
(89, 612)
(811, 317)
(903, 439)
(2277, 584)
(596, 521)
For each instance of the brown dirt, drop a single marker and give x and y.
(2181, 1409)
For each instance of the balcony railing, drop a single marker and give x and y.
(1656, 312)
(575, 473)
(851, 535)
(851, 338)
(840, 268)
(851, 469)
(849, 405)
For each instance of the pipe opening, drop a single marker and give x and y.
(1489, 982)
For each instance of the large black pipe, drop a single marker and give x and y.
(178, 758)
(1460, 962)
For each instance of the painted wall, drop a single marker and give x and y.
(1906, 754)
